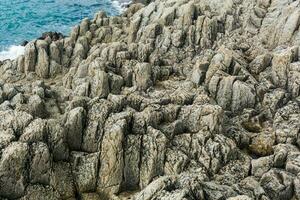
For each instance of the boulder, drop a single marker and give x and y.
(40, 164)
(62, 181)
(13, 171)
(278, 184)
(74, 127)
(84, 170)
(152, 156)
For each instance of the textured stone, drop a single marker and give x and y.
(13, 170)
(171, 100)
(85, 168)
(62, 181)
(278, 184)
(74, 127)
(153, 154)
(41, 162)
(111, 167)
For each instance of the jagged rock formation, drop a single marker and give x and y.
(178, 99)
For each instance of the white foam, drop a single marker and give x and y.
(121, 4)
(12, 52)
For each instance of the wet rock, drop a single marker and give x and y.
(53, 35)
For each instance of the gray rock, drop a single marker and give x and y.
(13, 172)
(153, 155)
(111, 167)
(171, 100)
(100, 86)
(39, 192)
(6, 137)
(261, 165)
(34, 132)
(37, 106)
(30, 57)
(93, 133)
(278, 184)
(42, 62)
(40, 165)
(240, 197)
(84, 169)
(132, 161)
(74, 127)
(57, 141)
(293, 163)
(142, 76)
(62, 181)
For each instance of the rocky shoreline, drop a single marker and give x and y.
(172, 100)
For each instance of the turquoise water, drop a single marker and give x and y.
(27, 19)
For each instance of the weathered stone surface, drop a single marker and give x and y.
(143, 76)
(100, 84)
(35, 132)
(62, 181)
(171, 100)
(278, 184)
(57, 141)
(41, 162)
(39, 192)
(85, 168)
(153, 155)
(262, 145)
(30, 57)
(293, 163)
(112, 163)
(74, 127)
(13, 172)
(132, 161)
(261, 165)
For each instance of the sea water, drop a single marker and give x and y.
(22, 20)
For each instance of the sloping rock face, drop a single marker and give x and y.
(176, 99)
